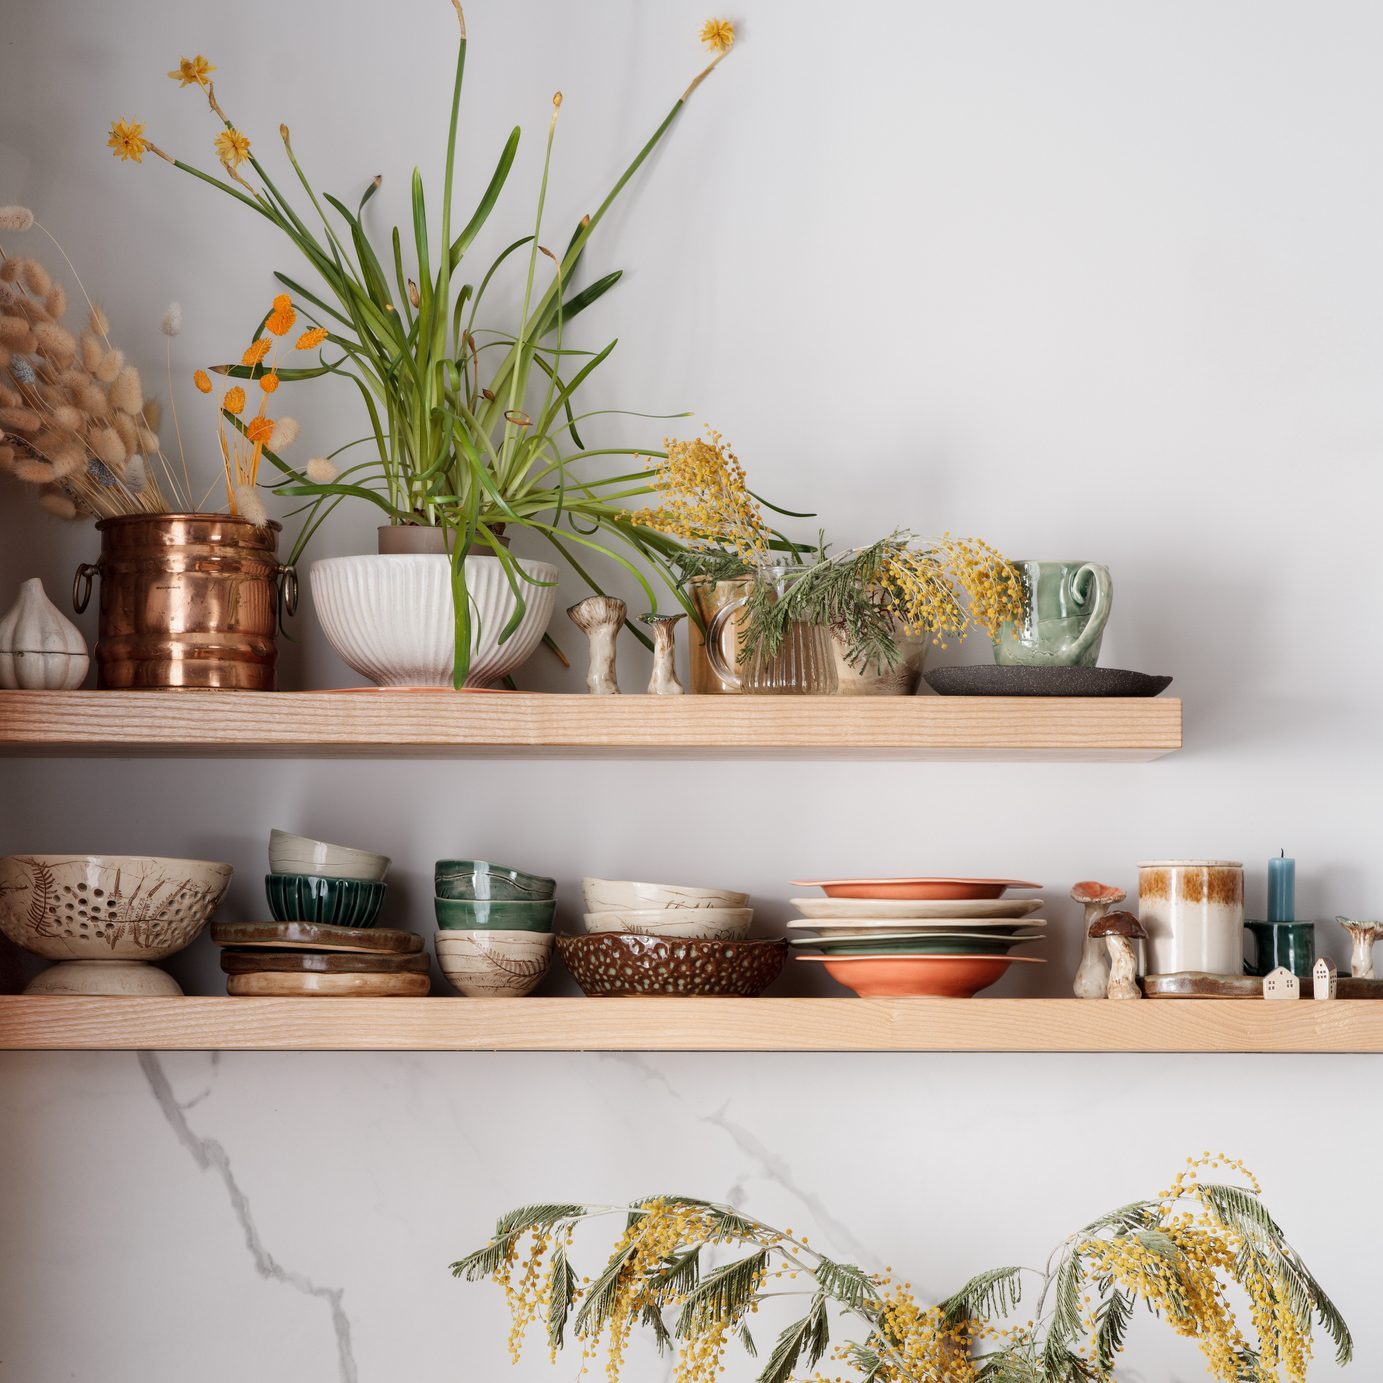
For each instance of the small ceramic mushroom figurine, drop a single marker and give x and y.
(1363, 935)
(1092, 978)
(1120, 930)
(664, 681)
(600, 618)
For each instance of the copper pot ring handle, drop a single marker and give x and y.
(81, 585)
(289, 587)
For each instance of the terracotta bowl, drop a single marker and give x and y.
(107, 907)
(609, 895)
(494, 965)
(612, 963)
(939, 977)
(914, 888)
(707, 924)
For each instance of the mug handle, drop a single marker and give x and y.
(1252, 969)
(1099, 611)
(715, 639)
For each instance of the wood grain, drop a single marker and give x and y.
(656, 1024)
(436, 723)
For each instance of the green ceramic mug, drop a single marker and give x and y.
(1065, 607)
(1288, 944)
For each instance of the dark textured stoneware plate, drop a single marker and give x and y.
(314, 936)
(611, 963)
(989, 679)
(321, 963)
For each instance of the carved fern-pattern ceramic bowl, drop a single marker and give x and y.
(494, 965)
(610, 963)
(709, 924)
(107, 907)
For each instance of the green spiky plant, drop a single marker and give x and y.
(1177, 1255)
(459, 442)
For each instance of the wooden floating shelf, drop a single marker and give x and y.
(43, 1022)
(388, 724)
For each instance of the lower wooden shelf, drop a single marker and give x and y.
(43, 1023)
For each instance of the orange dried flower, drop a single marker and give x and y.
(268, 383)
(232, 148)
(202, 380)
(282, 303)
(311, 339)
(127, 140)
(234, 400)
(257, 352)
(281, 321)
(260, 431)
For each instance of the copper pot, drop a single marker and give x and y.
(188, 601)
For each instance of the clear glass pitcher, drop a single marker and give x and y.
(803, 665)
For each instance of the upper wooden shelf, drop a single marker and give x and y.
(42, 1022)
(387, 724)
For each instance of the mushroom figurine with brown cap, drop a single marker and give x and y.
(1092, 978)
(1120, 930)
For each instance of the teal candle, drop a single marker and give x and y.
(1282, 889)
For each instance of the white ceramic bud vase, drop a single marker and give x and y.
(391, 616)
(40, 648)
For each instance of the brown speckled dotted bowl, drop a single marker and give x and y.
(608, 963)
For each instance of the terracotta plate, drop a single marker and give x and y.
(939, 977)
(271, 984)
(928, 888)
(321, 963)
(314, 936)
(916, 909)
(917, 943)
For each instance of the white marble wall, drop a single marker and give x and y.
(291, 1218)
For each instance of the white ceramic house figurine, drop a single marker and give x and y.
(664, 681)
(1323, 979)
(1281, 984)
(1120, 930)
(1363, 935)
(40, 648)
(600, 618)
(1092, 977)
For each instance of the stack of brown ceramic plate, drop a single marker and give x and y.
(308, 958)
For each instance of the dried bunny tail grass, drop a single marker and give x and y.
(64, 458)
(55, 343)
(92, 351)
(321, 471)
(111, 364)
(9, 399)
(7, 455)
(98, 321)
(59, 503)
(125, 428)
(172, 320)
(91, 399)
(136, 474)
(13, 330)
(16, 218)
(152, 413)
(106, 443)
(37, 470)
(56, 302)
(127, 393)
(285, 433)
(251, 505)
(36, 279)
(20, 419)
(9, 270)
(71, 379)
(67, 418)
(6, 355)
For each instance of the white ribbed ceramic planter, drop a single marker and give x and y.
(390, 617)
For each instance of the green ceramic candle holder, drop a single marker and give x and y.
(320, 898)
(478, 915)
(495, 883)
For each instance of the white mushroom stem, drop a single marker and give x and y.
(664, 681)
(1092, 976)
(600, 618)
(1123, 969)
(1363, 935)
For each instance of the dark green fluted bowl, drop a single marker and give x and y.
(319, 898)
(482, 915)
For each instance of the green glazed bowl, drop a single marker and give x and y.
(320, 898)
(495, 883)
(480, 915)
(914, 945)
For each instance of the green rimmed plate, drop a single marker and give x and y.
(918, 943)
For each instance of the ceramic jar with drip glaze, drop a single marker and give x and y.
(1193, 913)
